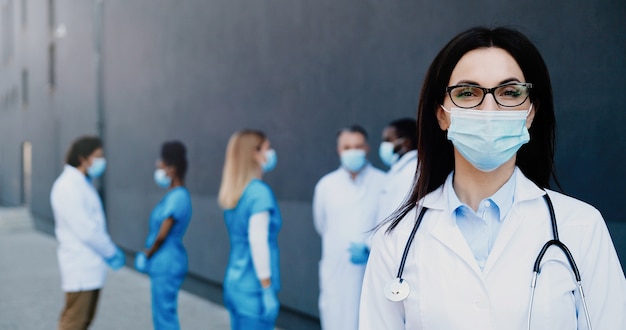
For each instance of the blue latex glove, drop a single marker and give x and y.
(141, 262)
(270, 304)
(116, 261)
(359, 252)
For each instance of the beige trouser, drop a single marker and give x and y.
(79, 310)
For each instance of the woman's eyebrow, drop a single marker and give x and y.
(471, 82)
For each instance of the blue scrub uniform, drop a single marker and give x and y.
(168, 266)
(242, 288)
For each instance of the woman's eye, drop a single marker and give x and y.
(465, 93)
(511, 91)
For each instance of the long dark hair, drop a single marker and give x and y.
(436, 153)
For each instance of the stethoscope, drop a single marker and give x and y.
(398, 289)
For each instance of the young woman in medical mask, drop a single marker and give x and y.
(486, 146)
(164, 258)
(253, 220)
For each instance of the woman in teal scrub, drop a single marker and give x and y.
(253, 220)
(164, 258)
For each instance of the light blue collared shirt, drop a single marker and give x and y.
(481, 228)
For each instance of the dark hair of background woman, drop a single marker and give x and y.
(174, 153)
(436, 153)
(83, 147)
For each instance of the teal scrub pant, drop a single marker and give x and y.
(165, 300)
(245, 310)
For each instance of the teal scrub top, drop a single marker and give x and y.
(240, 273)
(171, 257)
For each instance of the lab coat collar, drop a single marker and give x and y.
(403, 161)
(524, 190)
(73, 172)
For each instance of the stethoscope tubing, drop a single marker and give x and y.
(407, 247)
(537, 266)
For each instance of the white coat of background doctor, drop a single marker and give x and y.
(344, 212)
(85, 248)
(398, 151)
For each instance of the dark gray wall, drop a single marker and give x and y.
(199, 70)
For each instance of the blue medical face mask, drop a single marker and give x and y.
(353, 159)
(98, 165)
(386, 153)
(161, 178)
(487, 139)
(270, 161)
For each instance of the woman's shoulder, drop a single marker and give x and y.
(403, 227)
(178, 193)
(573, 209)
(257, 187)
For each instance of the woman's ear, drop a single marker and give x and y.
(443, 118)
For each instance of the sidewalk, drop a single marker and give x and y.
(31, 296)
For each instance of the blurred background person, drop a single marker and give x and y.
(253, 221)
(344, 210)
(85, 248)
(398, 151)
(165, 258)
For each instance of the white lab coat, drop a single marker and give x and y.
(344, 211)
(81, 231)
(397, 185)
(448, 290)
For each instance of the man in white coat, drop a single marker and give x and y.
(399, 151)
(85, 248)
(344, 212)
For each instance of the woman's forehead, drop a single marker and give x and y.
(487, 67)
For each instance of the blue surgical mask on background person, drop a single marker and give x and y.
(387, 154)
(98, 165)
(487, 139)
(270, 161)
(353, 159)
(161, 178)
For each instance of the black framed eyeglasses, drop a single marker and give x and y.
(507, 95)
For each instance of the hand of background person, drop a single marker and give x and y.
(117, 260)
(271, 306)
(141, 262)
(359, 252)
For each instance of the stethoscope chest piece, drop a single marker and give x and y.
(397, 289)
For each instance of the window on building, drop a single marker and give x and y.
(51, 18)
(27, 170)
(25, 95)
(7, 31)
(24, 15)
(51, 66)
(51, 47)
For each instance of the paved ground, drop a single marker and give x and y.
(31, 298)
